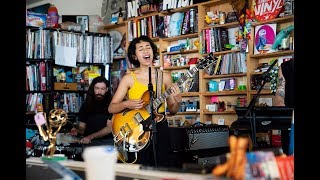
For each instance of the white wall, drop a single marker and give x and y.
(71, 7)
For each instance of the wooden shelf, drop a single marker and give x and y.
(206, 76)
(226, 25)
(218, 113)
(119, 57)
(143, 16)
(222, 52)
(187, 113)
(177, 67)
(256, 73)
(181, 9)
(276, 20)
(274, 54)
(111, 26)
(214, 2)
(224, 93)
(29, 60)
(185, 36)
(155, 39)
(264, 92)
(189, 94)
(93, 64)
(181, 52)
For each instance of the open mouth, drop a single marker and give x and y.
(146, 57)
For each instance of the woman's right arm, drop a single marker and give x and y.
(280, 93)
(118, 103)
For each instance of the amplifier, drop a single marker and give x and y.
(196, 138)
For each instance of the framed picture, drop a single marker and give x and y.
(114, 18)
(84, 21)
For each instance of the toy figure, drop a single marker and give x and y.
(282, 34)
(262, 40)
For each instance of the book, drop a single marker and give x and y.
(175, 24)
(264, 38)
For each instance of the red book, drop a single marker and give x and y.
(286, 167)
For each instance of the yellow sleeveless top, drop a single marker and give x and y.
(138, 89)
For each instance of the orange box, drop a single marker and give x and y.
(65, 86)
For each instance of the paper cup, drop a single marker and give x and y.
(100, 162)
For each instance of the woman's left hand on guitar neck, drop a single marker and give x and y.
(176, 93)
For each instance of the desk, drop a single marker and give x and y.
(263, 118)
(125, 171)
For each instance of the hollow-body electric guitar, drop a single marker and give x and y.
(131, 128)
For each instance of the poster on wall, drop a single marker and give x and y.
(267, 9)
(110, 7)
(264, 37)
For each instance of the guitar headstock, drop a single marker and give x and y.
(206, 61)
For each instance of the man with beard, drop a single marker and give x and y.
(94, 118)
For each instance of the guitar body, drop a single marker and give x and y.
(128, 126)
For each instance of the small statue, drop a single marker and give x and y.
(49, 128)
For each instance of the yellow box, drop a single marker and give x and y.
(65, 86)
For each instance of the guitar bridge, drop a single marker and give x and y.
(123, 133)
(125, 130)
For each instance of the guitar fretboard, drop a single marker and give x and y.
(167, 93)
(190, 73)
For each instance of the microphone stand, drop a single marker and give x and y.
(265, 77)
(154, 124)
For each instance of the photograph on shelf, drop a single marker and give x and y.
(84, 22)
(264, 37)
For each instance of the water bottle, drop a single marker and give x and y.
(53, 17)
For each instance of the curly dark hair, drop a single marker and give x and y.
(90, 94)
(132, 49)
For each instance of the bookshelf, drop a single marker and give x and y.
(55, 84)
(255, 59)
(249, 60)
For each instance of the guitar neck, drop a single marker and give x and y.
(180, 81)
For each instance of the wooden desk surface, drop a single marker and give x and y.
(129, 170)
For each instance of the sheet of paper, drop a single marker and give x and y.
(66, 56)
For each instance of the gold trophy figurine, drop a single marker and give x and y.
(49, 128)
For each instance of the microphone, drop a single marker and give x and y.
(266, 74)
(150, 86)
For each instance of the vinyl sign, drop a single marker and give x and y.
(267, 9)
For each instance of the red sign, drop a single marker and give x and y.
(267, 9)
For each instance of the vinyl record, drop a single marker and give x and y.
(117, 40)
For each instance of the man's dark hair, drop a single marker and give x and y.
(132, 49)
(90, 100)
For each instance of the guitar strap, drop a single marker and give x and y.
(159, 82)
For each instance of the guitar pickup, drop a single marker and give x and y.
(138, 118)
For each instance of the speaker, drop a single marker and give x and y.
(197, 138)
(208, 137)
